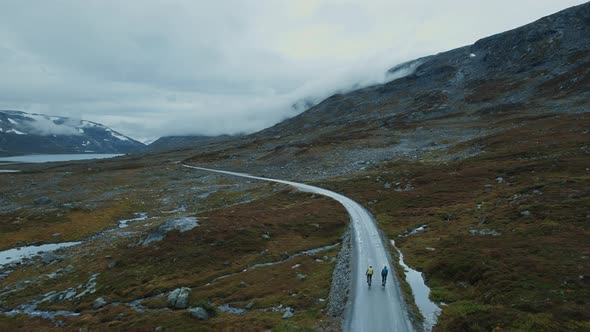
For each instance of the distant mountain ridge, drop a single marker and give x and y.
(31, 133)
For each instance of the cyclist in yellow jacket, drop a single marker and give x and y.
(369, 275)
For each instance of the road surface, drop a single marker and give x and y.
(375, 308)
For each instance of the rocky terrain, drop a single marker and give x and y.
(178, 142)
(28, 133)
(476, 163)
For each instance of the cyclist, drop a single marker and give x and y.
(369, 275)
(384, 276)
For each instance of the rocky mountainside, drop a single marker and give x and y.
(541, 69)
(179, 142)
(26, 133)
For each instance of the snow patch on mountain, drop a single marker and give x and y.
(25, 133)
(14, 131)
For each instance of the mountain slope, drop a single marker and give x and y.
(26, 133)
(538, 70)
(179, 142)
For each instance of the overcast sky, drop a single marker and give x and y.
(152, 68)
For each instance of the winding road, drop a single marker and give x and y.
(372, 309)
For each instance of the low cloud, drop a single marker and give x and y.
(46, 126)
(151, 68)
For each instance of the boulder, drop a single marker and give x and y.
(42, 200)
(485, 231)
(199, 313)
(288, 313)
(99, 303)
(301, 276)
(180, 224)
(50, 257)
(179, 298)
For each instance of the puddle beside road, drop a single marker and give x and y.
(421, 293)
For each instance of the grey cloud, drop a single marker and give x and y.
(151, 68)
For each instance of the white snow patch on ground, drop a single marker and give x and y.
(12, 121)
(472, 55)
(119, 136)
(9, 171)
(141, 216)
(18, 254)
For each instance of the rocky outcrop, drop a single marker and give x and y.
(178, 299)
(289, 312)
(199, 313)
(181, 225)
(99, 303)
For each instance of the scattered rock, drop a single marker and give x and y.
(243, 284)
(99, 303)
(266, 236)
(179, 298)
(250, 305)
(70, 294)
(387, 185)
(181, 225)
(525, 213)
(301, 276)
(50, 257)
(485, 231)
(341, 282)
(288, 313)
(56, 235)
(199, 313)
(500, 179)
(232, 310)
(112, 264)
(42, 200)
(409, 187)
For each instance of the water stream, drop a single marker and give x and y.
(421, 293)
(252, 267)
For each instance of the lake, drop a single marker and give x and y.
(45, 158)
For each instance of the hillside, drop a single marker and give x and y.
(538, 70)
(27, 133)
(179, 142)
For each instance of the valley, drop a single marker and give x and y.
(476, 164)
